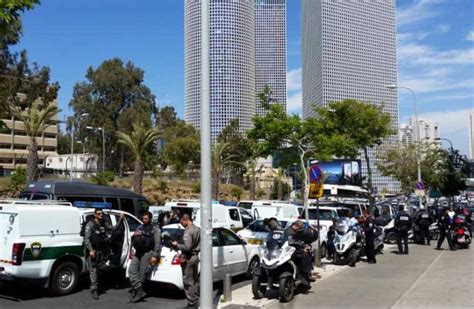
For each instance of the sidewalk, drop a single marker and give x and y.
(426, 278)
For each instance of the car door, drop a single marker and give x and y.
(131, 225)
(218, 258)
(235, 252)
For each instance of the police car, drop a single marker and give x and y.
(41, 241)
(230, 255)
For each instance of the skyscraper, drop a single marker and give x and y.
(270, 50)
(349, 52)
(247, 51)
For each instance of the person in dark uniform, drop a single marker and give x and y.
(424, 220)
(97, 246)
(444, 225)
(190, 249)
(402, 226)
(330, 243)
(369, 232)
(147, 244)
(301, 239)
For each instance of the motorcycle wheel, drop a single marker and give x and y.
(337, 259)
(257, 289)
(391, 238)
(286, 289)
(353, 257)
(434, 235)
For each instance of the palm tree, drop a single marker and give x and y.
(139, 142)
(36, 119)
(221, 159)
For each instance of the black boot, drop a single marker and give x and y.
(95, 294)
(139, 295)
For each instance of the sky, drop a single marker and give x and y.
(435, 52)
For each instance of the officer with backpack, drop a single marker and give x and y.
(423, 219)
(402, 226)
(146, 241)
(97, 244)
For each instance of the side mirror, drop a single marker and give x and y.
(244, 242)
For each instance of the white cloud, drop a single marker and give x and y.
(293, 80)
(453, 125)
(419, 54)
(419, 10)
(294, 103)
(428, 85)
(409, 36)
(443, 28)
(470, 36)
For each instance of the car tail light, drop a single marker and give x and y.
(17, 253)
(458, 221)
(177, 260)
(460, 232)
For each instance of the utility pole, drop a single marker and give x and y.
(206, 195)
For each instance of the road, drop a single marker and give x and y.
(426, 278)
(116, 296)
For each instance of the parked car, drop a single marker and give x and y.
(41, 242)
(76, 191)
(230, 254)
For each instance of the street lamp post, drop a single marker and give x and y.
(417, 135)
(103, 143)
(73, 122)
(445, 139)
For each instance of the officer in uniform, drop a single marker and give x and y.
(402, 226)
(369, 232)
(190, 249)
(424, 220)
(97, 245)
(444, 225)
(147, 244)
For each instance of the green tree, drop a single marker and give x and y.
(182, 147)
(221, 161)
(103, 178)
(36, 119)
(10, 19)
(452, 180)
(364, 125)
(280, 190)
(304, 138)
(17, 181)
(166, 118)
(115, 97)
(139, 142)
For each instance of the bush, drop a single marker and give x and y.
(196, 187)
(236, 192)
(103, 178)
(17, 180)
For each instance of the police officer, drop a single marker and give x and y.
(369, 232)
(424, 220)
(147, 244)
(444, 225)
(190, 249)
(402, 226)
(297, 238)
(97, 245)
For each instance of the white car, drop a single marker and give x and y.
(230, 255)
(256, 233)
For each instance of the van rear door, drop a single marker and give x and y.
(8, 234)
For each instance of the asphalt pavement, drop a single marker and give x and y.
(426, 278)
(115, 296)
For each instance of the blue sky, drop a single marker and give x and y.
(435, 51)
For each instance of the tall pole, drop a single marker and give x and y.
(72, 150)
(103, 149)
(206, 195)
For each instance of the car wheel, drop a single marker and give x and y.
(254, 263)
(391, 238)
(286, 288)
(64, 278)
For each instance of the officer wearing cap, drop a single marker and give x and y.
(402, 226)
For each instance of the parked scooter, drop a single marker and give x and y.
(461, 236)
(276, 268)
(390, 234)
(379, 238)
(347, 243)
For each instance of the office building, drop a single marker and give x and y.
(349, 52)
(426, 132)
(247, 52)
(14, 144)
(270, 50)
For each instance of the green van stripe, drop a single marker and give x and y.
(52, 253)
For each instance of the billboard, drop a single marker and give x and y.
(341, 172)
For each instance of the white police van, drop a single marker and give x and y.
(41, 241)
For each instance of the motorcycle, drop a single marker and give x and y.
(434, 231)
(390, 234)
(379, 238)
(276, 267)
(461, 236)
(347, 243)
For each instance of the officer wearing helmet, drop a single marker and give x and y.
(403, 224)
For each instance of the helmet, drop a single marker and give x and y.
(401, 207)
